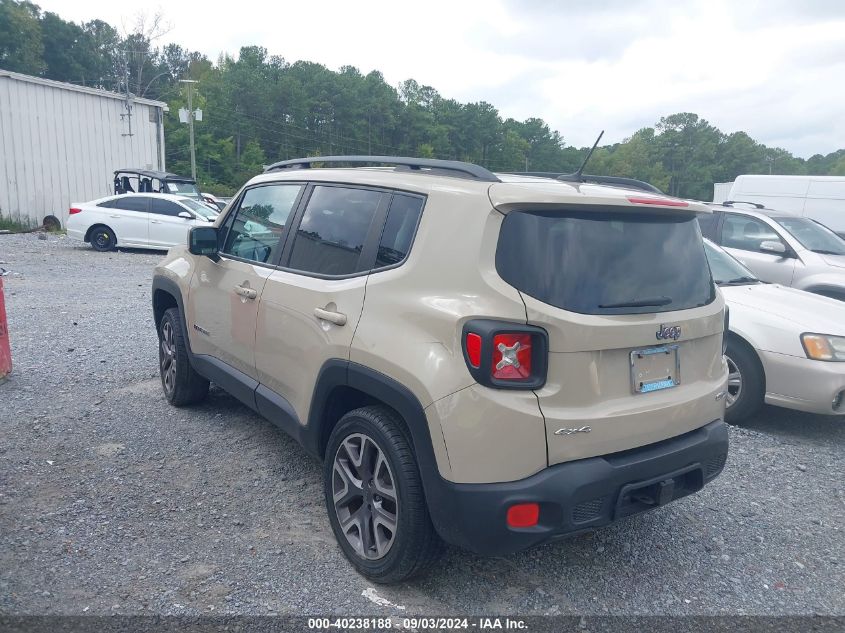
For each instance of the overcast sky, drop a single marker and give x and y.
(773, 68)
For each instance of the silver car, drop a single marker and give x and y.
(786, 347)
(780, 247)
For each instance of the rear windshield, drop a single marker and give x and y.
(606, 262)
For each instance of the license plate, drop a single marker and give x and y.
(655, 368)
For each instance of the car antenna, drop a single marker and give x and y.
(576, 177)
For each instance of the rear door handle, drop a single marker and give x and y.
(338, 318)
(247, 293)
(155, 222)
(114, 216)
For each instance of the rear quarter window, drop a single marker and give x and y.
(399, 229)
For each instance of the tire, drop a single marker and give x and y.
(746, 382)
(102, 238)
(373, 436)
(181, 384)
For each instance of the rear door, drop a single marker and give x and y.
(225, 294)
(633, 319)
(166, 227)
(311, 305)
(129, 218)
(741, 235)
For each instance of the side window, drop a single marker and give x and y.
(259, 222)
(707, 222)
(399, 229)
(746, 233)
(160, 206)
(133, 203)
(108, 204)
(334, 227)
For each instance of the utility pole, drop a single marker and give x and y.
(190, 116)
(127, 102)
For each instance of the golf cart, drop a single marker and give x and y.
(148, 181)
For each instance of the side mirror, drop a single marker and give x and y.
(186, 215)
(202, 240)
(773, 247)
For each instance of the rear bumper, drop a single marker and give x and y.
(75, 234)
(579, 495)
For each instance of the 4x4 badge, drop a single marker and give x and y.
(665, 332)
(583, 429)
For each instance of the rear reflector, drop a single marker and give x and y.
(74, 211)
(511, 356)
(473, 345)
(659, 202)
(523, 515)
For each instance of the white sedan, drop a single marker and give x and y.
(786, 347)
(154, 220)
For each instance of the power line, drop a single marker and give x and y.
(358, 143)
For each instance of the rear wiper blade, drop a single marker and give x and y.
(639, 303)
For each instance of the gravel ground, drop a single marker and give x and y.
(111, 501)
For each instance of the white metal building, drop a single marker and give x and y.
(60, 143)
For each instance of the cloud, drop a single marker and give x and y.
(773, 69)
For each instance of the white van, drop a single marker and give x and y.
(821, 198)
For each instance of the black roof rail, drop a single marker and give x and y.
(465, 170)
(730, 203)
(618, 181)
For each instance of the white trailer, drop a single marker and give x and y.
(721, 191)
(60, 142)
(821, 198)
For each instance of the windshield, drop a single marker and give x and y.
(725, 269)
(183, 188)
(200, 209)
(595, 262)
(813, 236)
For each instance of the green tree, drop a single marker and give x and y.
(838, 168)
(21, 45)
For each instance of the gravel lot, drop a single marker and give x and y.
(111, 501)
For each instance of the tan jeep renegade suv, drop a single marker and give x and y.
(489, 360)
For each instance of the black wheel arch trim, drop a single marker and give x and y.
(339, 373)
(380, 387)
(169, 287)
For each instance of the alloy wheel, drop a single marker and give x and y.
(734, 383)
(167, 357)
(365, 496)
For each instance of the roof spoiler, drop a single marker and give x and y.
(616, 181)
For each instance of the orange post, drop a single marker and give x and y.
(5, 350)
